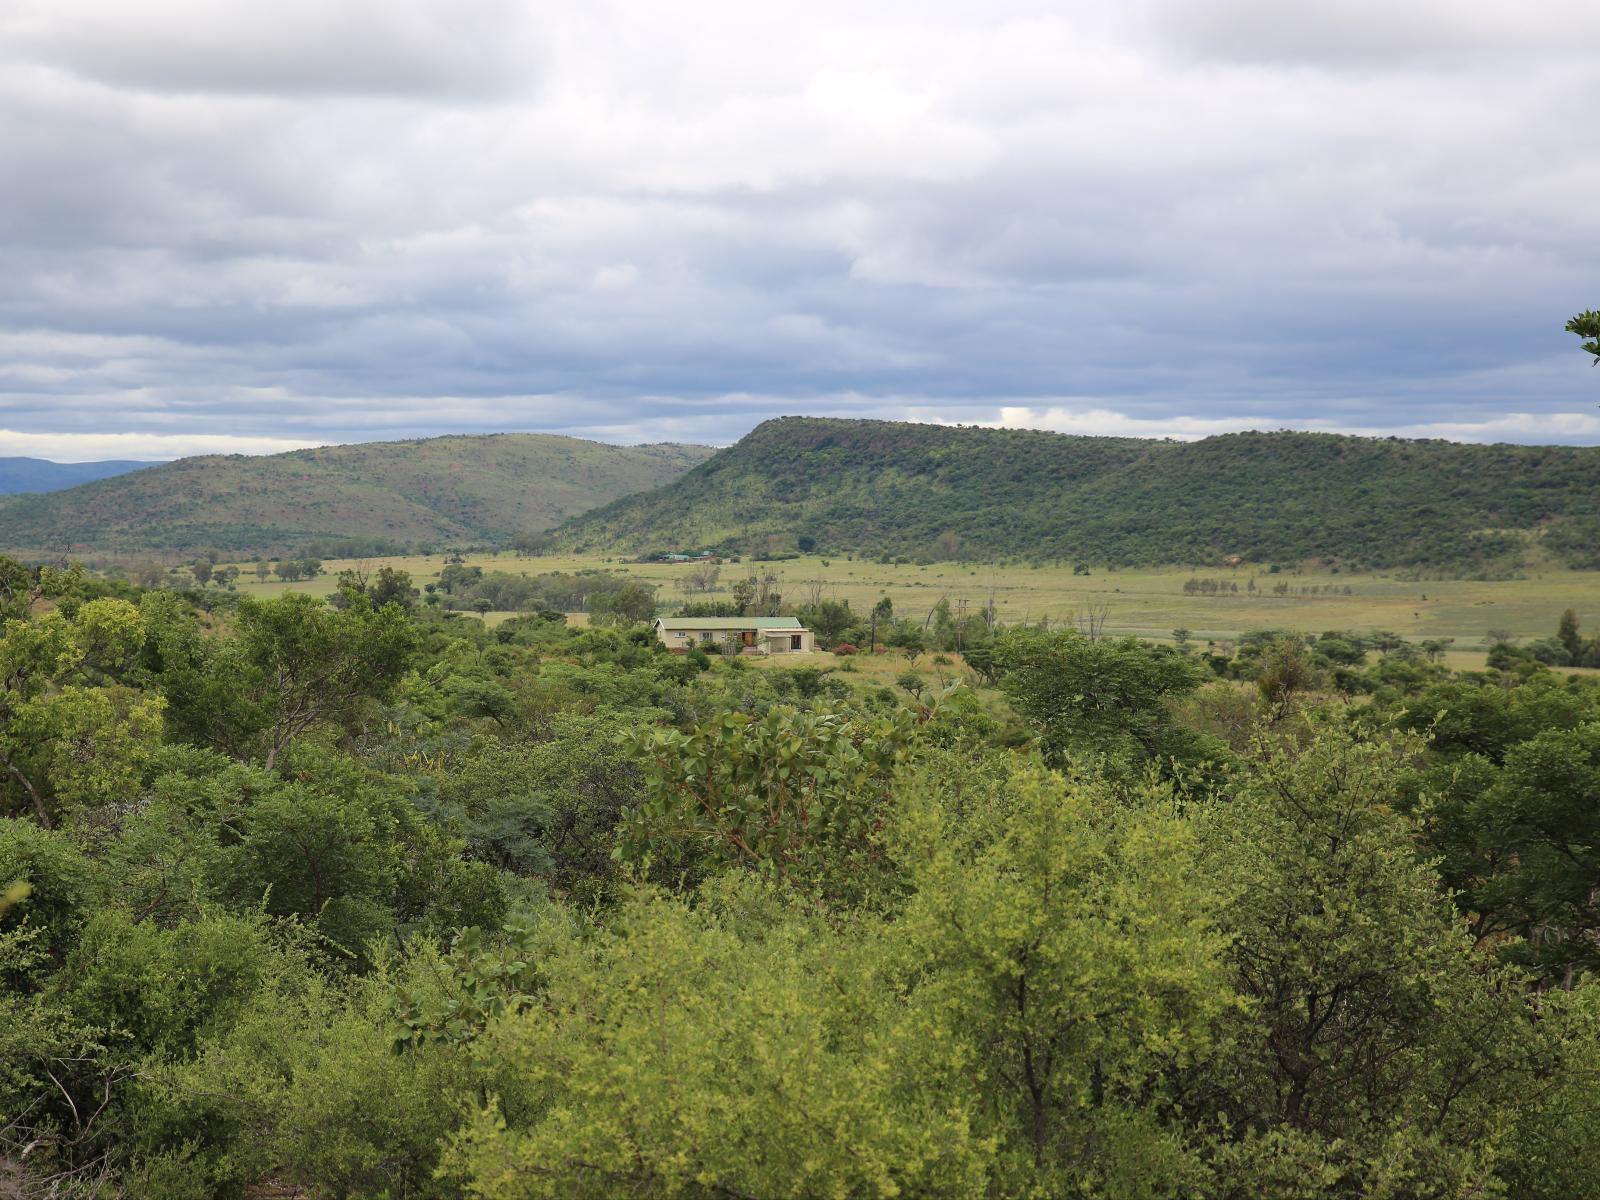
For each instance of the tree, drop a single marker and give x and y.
(908, 639)
(784, 792)
(1536, 825)
(1587, 325)
(1375, 1045)
(913, 682)
(1067, 931)
(633, 602)
(1571, 640)
(718, 1049)
(533, 542)
(392, 586)
(201, 570)
(1286, 673)
(293, 663)
(70, 735)
(828, 619)
(1103, 696)
(18, 590)
(700, 577)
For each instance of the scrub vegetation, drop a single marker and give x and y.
(352, 895)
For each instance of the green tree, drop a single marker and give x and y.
(1375, 1043)
(18, 590)
(1567, 633)
(1067, 933)
(292, 664)
(633, 602)
(1108, 696)
(1587, 325)
(651, 1069)
(70, 735)
(785, 792)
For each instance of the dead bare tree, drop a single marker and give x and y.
(1092, 621)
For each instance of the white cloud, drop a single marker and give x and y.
(147, 447)
(1105, 422)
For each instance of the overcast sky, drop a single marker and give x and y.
(230, 226)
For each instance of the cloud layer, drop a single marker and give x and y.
(231, 226)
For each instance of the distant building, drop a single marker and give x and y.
(736, 635)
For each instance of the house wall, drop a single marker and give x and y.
(781, 641)
(768, 641)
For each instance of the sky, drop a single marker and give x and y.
(242, 227)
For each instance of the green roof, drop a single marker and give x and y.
(731, 622)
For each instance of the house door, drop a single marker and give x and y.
(749, 638)
(794, 641)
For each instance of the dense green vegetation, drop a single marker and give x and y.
(928, 491)
(361, 499)
(365, 899)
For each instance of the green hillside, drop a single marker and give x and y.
(876, 487)
(434, 491)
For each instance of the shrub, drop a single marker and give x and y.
(844, 649)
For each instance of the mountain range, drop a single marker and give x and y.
(439, 491)
(42, 475)
(859, 487)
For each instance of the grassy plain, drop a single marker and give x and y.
(1148, 603)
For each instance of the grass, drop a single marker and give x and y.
(1147, 603)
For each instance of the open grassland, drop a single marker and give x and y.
(1149, 603)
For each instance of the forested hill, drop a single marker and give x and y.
(877, 487)
(42, 475)
(446, 490)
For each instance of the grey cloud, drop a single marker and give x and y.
(1377, 33)
(376, 228)
(289, 47)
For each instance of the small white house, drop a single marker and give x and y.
(736, 635)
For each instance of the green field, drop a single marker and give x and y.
(1148, 603)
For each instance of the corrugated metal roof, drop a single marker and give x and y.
(730, 622)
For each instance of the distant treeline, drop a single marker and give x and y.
(588, 591)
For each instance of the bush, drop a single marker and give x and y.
(844, 649)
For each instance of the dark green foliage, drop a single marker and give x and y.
(294, 664)
(885, 488)
(547, 808)
(1587, 325)
(1098, 697)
